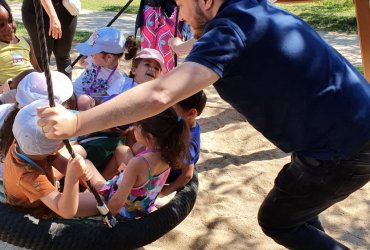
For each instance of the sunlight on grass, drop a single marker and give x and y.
(110, 5)
(329, 15)
(80, 36)
(106, 5)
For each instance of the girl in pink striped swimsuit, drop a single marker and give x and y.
(132, 193)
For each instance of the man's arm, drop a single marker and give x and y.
(138, 103)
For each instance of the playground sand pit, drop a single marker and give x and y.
(237, 168)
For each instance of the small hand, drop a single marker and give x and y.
(78, 168)
(173, 43)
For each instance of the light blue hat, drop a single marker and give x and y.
(105, 39)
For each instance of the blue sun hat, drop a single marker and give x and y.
(105, 39)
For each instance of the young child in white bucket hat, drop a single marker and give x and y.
(29, 180)
(31, 88)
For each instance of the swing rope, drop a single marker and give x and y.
(70, 67)
(107, 215)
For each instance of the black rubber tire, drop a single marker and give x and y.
(23, 230)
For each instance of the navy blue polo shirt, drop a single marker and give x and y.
(293, 87)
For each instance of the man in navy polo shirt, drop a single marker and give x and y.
(293, 87)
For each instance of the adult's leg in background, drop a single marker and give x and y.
(29, 21)
(62, 47)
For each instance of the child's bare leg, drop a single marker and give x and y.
(122, 154)
(85, 102)
(87, 205)
(87, 202)
(78, 149)
(97, 179)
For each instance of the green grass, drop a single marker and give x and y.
(80, 36)
(110, 5)
(329, 15)
(104, 5)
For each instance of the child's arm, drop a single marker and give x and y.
(15, 80)
(181, 48)
(181, 181)
(66, 204)
(128, 181)
(33, 58)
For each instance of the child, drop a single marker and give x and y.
(132, 193)
(147, 65)
(105, 149)
(188, 109)
(29, 181)
(31, 88)
(16, 53)
(104, 49)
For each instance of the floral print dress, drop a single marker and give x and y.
(95, 80)
(141, 199)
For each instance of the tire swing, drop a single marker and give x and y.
(24, 230)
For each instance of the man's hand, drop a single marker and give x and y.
(57, 122)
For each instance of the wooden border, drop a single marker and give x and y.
(363, 23)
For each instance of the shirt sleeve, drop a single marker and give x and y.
(192, 153)
(222, 42)
(35, 185)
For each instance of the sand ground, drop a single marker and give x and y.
(237, 169)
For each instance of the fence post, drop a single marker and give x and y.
(363, 26)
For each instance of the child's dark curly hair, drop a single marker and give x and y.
(132, 46)
(135, 64)
(171, 134)
(6, 132)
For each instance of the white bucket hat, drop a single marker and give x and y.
(33, 87)
(105, 39)
(29, 135)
